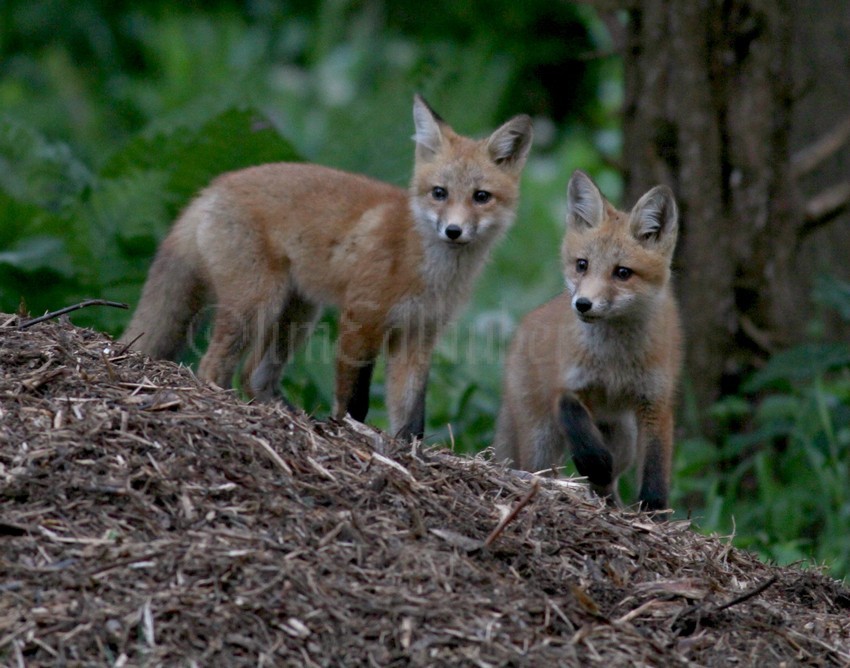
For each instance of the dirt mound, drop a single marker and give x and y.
(146, 518)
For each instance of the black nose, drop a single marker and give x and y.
(583, 304)
(453, 232)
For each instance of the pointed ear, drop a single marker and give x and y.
(654, 220)
(509, 144)
(428, 124)
(585, 204)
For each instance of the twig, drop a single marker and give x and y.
(146, 615)
(687, 621)
(118, 563)
(758, 336)
(747, 595)
(535, 485)
(267, 448)
(320, 469)
(638, 611)
(68, 309)
(378, 457)
(807, 159)
(825, 206)
(129, 344)
(108, 366)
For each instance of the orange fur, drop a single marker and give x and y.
(595, 370)
(271, 245)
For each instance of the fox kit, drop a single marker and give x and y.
(271, 245)
(594, 371)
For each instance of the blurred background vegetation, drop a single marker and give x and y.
(113, 114)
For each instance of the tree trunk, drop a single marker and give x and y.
(708, 105)
(820, 129)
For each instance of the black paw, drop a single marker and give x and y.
(596, 465)
(278, 396)
(411, 432)
(655, 505)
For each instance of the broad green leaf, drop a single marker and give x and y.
(233, 140)
(193, 157)
(36, 171)
(833, 293)
(132, 210)
(799, 363)
(729, 408)
(34, 254)
(779, 408)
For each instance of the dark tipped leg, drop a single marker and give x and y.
(591, 457)
(415, 425)
(358, 404)
(654, 485)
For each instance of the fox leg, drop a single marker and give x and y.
(226, 345)
(359, 343)
(240, 319)
(270, 354)
(590, 455)
(548, 447)
(505, 439)
(358, 404)
(619, 433)
(408, 364)
(655, 457)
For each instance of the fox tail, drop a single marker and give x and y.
(171, 298)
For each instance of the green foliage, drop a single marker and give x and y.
(231, 140)
(68, 233)
(36, 171)
(802, 363)
(833, 294)
(779, 481)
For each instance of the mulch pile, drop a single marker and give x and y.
(146, 518)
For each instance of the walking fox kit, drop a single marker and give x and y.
(594, 371)
(270, 245)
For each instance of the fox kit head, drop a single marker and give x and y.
(465, 191)
(617, 264)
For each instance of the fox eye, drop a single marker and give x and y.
(481, 196)
(581, 266)
(623, 273)
(439, 193)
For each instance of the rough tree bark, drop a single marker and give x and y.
(708, 110)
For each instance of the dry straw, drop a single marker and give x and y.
(148, 519)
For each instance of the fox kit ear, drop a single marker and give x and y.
(429, 134)
(655, 219)
(585, 204)
(509, 144)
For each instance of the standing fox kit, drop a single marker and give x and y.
(271, 245)
(594, 371)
